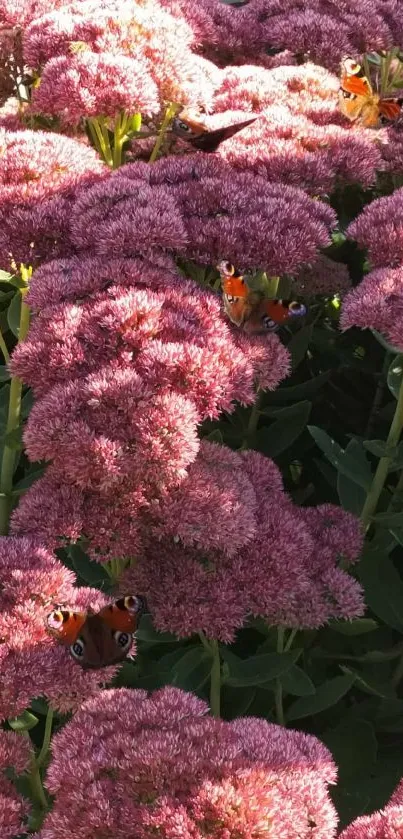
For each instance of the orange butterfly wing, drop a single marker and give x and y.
(66, 625)
(390, 108)
(122, 615)
(277, 311)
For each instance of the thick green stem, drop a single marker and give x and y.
(40, 760)
(3, 348)
(253, 421)
(169, 114)
(278, 692)
(100, 139)
(119, 138)
(215, 680)
(378, 481)
(13, 423)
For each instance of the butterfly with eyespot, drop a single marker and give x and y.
(195, 132)
(248, 309)
(358, 100)
(99, 639)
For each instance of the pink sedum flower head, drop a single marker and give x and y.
(323, 276)
(379, 228)
(242, 780)
(31, 663)
(15, 755)
(113, 427)
(377, 303)
(90, 85)
(384, 824)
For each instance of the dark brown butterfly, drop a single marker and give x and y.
(195, 132)
(97, 640)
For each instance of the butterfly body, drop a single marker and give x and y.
(100, 639)
(247, 308)
(195, 132)
(359, 102)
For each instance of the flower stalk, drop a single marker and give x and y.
(278, 691)
(169, 115)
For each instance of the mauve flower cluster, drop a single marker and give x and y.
(39, 175)
(159, 763)
(377, 303)
(324, 30)
(223, 555)
(127, 58)
(31, 663)
(15, 755)
(385, 824)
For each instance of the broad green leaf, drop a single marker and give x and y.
(289, 424)
(13, 440)
(27, 403)
(146, 632)
(215, 437)
(4, 373)
(327, 695)
(259, 668)
(352, 496)
(299, 344)
(349, 463)
(383, 587)
(192, 670)
(24, 722)
(5, 276)
(359, 626)
(14, 314)
(384, 343)
(91, 572)
(380, 449)
(297, 392)
(296, 682)
(397, 534)
(354, 747)
(389, 519)
(370, 685)
(27, 481)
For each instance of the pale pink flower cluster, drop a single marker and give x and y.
(240, 547)
(377, 302)
(31, 663)
(323, 30)
(384, 824)
(15, 755)
(162, 764)
(39, 175)
(96, 58)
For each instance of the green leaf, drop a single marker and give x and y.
(389, 519)
(258, 669)
(147, 633)
(289, 424)
(296, 682)
(359, 626)
(192, 670)
(13, 440)
(297, 392)
(27, 403)
(384, 343)
(14, 314)
(350, 463)
(383, 587)
(369, 685)
(4, 373)
(5, 276)
(380, 449)
(27, 481)
(215, 437)
(299, 344)
(24, 722)
(352, 496)
(88, 570)
(327, 695)
(354, 747)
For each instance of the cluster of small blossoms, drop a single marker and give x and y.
(323, 30)
(15, 755)
(31, 664)
(162, 764)
(385, 824)
(377, 303)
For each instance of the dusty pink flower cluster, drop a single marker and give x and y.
(39, 176)
(31, 664)
(217, 545)
(161, 764)
(377, 303)
(385, 824)
(323, 30)
(15, 754)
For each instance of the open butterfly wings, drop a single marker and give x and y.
(101, 639)
(196, 133)
(358, 101)
(246, 308)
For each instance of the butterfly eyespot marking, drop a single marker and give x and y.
(226, 268)
(77, 649)
(55, 620)
(183, 126)
(346, 95)
(132, 604)
(352, 67)
(269, 324)
(123, 639)
(296, 308)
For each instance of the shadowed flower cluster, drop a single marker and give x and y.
(385, 824)
(15, 755)
(377, 303)
(31, 663)
(162, 764)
